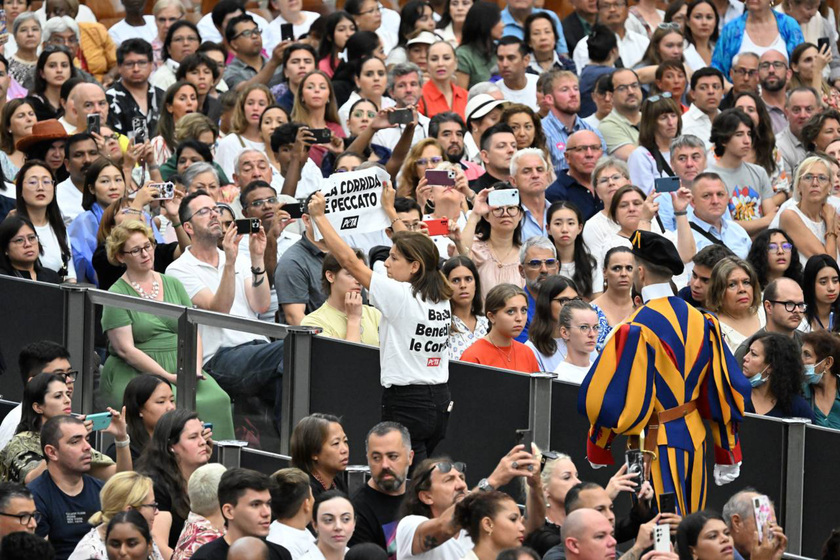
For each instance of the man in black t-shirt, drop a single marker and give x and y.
(245, 499)
(377, 503)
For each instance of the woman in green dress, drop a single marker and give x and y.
(145, 343)
(821, 351)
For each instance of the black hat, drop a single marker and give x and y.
(657, 250)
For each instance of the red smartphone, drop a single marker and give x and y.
(437, 227)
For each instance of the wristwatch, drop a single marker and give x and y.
(484, 486)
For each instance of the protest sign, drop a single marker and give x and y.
(354, 201)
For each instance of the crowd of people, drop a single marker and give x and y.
(526, 161)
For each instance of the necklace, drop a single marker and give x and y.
(498, 260)
(143, 294)
(507, 356)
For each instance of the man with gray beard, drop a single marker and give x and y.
(377, 503)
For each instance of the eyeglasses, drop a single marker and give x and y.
(33, 183)
(444, 467)
(511, 211)
(31, 239)
(592, 148)
(586, 329)
(745, 72)
(25, 518)
(154, 505)
(670, 25)
(248, 33)
(260, 202)
(534, 264)
(129, 210)
(69, 376)
(204, 212)
(426, 161)
(137, 63)
(821, 179)
(113, 136)
(791, 305)
(412, 226)
(773, 247)
(194, 39)
(565, 300)
(778, 65)
(627, 87)
(360, 114)
(615, 178)
(148, 248)
(63, 41)
(655, 98)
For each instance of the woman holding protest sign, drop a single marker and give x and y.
(414, 329)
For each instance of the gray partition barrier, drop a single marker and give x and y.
(821, 491)
(30, 311)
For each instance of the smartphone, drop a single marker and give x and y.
(761, 508)
(668, 503)
(287, 32)
(138, 125)
(662, 538)
(822, 42)
(437, 227)
(503, 197)
(441, 177)
(247, 226)
(666, 184)
(635, 465)
(208, 426)
(526, 438)
(166, 191)
(400, 116)
(3, 29)
(94, 123)
(100, 420)
(322, 135)
(295, 210)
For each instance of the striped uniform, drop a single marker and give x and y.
(665, 355)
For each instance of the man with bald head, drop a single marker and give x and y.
(86, 99)
(783, 301)
(583, 150)
(248, 548)
(587, 535)
(774, 73)
(739, 516)
(801, 104)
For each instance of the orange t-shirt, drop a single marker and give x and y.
(433, 102)
(483, 352)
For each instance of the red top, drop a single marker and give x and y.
(483, 352)
(433, 102)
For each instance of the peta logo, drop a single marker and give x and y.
(433, 362)
(350, 222)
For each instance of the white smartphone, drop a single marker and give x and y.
(504, 197)
(662, 538)
(761, 508)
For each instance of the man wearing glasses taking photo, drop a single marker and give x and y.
(43, 356)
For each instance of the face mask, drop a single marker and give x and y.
(811, 376)
(758, 380)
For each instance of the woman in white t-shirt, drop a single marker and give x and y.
(414, 329)
(609, 175)
(334, 521)
(244, 126)
(579, 328)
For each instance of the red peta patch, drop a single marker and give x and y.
(561, 146)
(433, 362)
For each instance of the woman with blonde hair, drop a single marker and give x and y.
(244, 126)
(195, 126)
(425, 154)
(123, 491)
(205, 522)
(735, 296)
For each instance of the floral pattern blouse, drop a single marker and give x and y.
(463, 339)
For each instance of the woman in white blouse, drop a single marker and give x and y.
(468, 321)
(609, 175)
(334, 521)
(660, 124)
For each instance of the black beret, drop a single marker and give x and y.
(657, 250)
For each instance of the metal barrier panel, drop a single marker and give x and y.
(821, 489)
(29, 311)
(263, 461)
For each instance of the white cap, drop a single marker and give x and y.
(482, 104)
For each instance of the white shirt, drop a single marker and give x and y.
(526, 96)
(596, 231)
(631, 49)
(52, 251)
(698, 123)
(209, 32)
(453, 549)
(567, 371)
(310, 180)
(297, 541)
(70, 128)
(344, 110)
(390, 20)
(692, 58)
(229, 149)
(164, 76)
(471, 150)
(122, 31)
(69, 200)
(9, 425)
(272, 36)
(388, 137)
(196, 275)
(405, 357)
(747, 45)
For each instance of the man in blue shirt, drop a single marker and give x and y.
(537, 261)
(517, 11)
(562, 92)
(710, 200)
(529, 173)
(575, 183)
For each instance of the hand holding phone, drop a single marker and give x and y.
(503, 197)
(440, 177)
(247, 226)
(99, 421)
(437, 227)
(666, 184)
(662, 538)
(287, 32)
(668, 502)
(94, 123)
(322, 135)
(401, 116)
(635, 465)
(762, 511)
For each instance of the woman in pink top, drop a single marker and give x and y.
(339, 28)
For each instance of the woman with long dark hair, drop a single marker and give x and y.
(565, 229)
(413, 293)
(415, 16)
(18, 119)
(54, 67)
(146, 398)
(477, 53)
(468, 320)
(821, 291)
(180, 99)
(20, 251)
(182, 40)
(36, 200)
(544, 331)
(451, 24)
(319, 448)
(338, 28)
(178, 447)
(526, 126)
(774, 367)
(701, 33)
(773, 255)
(763, 151)
(703, 535)
(821, 356)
